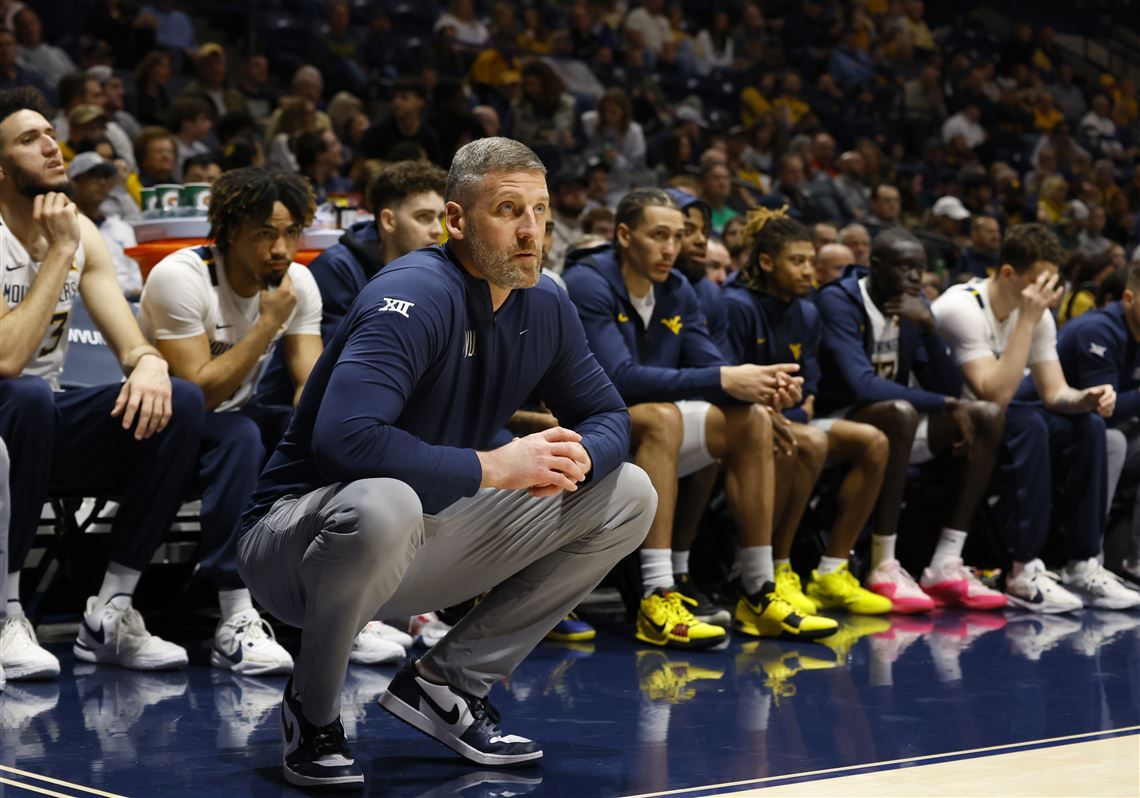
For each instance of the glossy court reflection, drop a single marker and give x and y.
(614, 719)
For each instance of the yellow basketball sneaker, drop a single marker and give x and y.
(789, 588)
(840, 590)
(665, 620)
(767, 614)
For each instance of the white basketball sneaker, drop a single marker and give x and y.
(245, 644)
(373, 647)
(21, 655)
(115, 634)
(1097, 586)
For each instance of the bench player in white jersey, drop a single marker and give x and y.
(135, 440)
(999, 328)
(217, 313)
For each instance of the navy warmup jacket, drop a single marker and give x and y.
(1097, 348)
(765, 330)
(674, 359)
(421, 375)
(848, 378)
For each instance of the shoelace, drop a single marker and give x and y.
(330, 739)
(14, 627)
(481, 709)
(677, 602)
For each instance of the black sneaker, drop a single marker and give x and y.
(466, 724)
(315, 757)
(704, 610)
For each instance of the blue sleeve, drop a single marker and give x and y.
(713, 302)
(843, 339)
(339, 287)
(698, 349)
(1092, 369)
(809, 359)
(382, 361)
(740, 332)
(583, 399)
(598, 309)
(935, 367)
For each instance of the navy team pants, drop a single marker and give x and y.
(1046, 447)
(235, 445)
(67, 441)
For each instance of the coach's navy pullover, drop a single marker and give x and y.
(673, 359)
(421, 374)
(763, 329)
(848, 378)
(1097, 348)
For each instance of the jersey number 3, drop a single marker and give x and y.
(55, 332)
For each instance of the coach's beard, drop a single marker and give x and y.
(500, 268)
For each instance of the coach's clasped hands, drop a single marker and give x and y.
(543, 464)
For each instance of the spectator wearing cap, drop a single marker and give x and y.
(212, 85)
(942, 241)
(404, 122)
(93, 177)
(190, 121)
(1071, 223)
(46, 63)
(84, 122)
(612, 135)
(568, 201)
(982, 256)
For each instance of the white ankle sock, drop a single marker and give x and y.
(234, 601)
(756, 567)
(656, 569)
(680, 561)
(776, 563)
(950, 545)
(118, 581)
(12, 605)
(882, 548)
(829, 565)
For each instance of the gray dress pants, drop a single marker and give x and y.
(333, 559)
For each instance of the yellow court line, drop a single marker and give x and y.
(923, 758)
(29, 775)
(34, 788)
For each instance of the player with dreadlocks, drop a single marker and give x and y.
(217, 313)
(771, 321)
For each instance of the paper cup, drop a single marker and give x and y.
(169, 195)
(196, 195)
(148, 200)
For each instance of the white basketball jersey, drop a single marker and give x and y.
(18, 271)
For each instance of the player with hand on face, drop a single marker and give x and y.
(217, 313)
(136, 440)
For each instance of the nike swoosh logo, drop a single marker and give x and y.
(660, 627)
(14, 268)
(450, 718)
(235, 658)
(98, 636)
(524, 332)
(223, 326)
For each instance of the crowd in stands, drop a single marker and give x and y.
(784, 225)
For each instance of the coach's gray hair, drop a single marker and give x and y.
(481, 157)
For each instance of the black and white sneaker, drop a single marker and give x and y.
(315, 756)
(466, 724)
